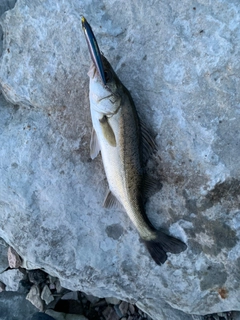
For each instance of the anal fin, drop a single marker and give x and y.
(111, 201)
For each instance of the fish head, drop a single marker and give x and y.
(104, 97)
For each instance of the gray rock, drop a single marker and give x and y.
(2, 286)
(46, 295)
(91, 298)
(112, 300)
(3, 255)
(64, 316)
(110, 314)
(131, 308)
(37, 276)
(34, 296)
(123, 307)
(6, 5)
(41, 316)
(181, 64)
(70, 296)
(14, 306)
(11, 279)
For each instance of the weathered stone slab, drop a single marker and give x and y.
(181, 64)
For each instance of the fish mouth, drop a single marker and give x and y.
(93, 49)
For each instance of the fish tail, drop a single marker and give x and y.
(164, 243)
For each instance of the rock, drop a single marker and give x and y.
(24, 285)
(131, 308)
(2, 286)
(69, 306)
(64, 316)
(110, 314)
(3, 255)
(11, 279)
(14, 259)
(46, 295)
(34, 297)
(37, 276)
(72, 295)
(6, 5)
(92, 298)
(123, 307)
(181, 66)
(14, 306)
(112, 300)
(41, 316)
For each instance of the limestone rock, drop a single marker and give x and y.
(11, 279)
(34, 297)
(46, 295)
(181, 64)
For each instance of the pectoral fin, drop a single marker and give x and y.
(94, 145)
(108, 131)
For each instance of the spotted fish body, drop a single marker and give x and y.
(122, 139)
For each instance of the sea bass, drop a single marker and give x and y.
(123, 140)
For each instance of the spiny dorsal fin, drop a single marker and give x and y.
(111, 201)
(94, 145)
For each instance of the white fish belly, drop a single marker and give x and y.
(111, 158)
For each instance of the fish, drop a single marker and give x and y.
(124, 141)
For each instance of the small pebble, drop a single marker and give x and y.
(34, 297)
(118, 312)
(52, 286)
(91, 298)
(2, 286)
(113, 300)
(131, 308)
(123, 307)
(110, 314)
(46, 295)
(72, 295)
(58, 286)
(37, 276)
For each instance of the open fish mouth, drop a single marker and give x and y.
(93, 49)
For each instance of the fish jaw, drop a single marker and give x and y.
(101, 98)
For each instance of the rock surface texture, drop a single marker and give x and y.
(181, 65)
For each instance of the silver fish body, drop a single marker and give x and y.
(121, 138)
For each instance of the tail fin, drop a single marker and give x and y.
(164, 243)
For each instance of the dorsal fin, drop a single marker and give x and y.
(148, 144)
(150, 186)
